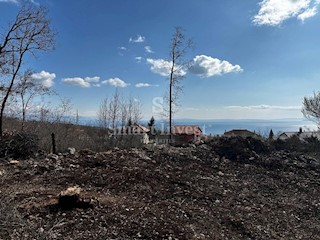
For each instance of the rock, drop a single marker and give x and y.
(54, 156)
(13, 162)
(71, 150)
(220, 173)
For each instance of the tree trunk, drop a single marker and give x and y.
(170, 110)
(6, 97)
(23, 113)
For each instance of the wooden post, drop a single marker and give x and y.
(53, 143)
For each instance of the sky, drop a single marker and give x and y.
(251, 59)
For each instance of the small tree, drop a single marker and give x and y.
(114, 109)
(178, 49)
(103, 114)
(151, 125)
(151, 122)
(136, 111)
(118, 111)
(271, 135)
(311, 108)
(129, 124)
(28, 89)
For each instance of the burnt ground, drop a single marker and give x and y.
(163, 193)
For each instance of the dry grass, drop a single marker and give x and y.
(71, 135)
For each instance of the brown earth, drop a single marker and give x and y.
(197, 192)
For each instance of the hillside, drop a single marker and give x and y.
(164, 192)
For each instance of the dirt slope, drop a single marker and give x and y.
(164, 193)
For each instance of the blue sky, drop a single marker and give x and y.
(252, 58)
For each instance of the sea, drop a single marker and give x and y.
(219, 126)
(262, 127)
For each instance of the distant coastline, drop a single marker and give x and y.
(261, 126)
(219, 126)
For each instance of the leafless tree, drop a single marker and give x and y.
(136, 111)
(124, 114)
(52, 114)
(54, 118)
(27, 89)
(103, 114)
(178, 49)
(29, 34)
(114, 109)
(311, 108)
(118, 111)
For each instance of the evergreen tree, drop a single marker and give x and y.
(271, 135)
(151, 122)
(129, 122)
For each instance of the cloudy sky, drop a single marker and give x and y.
(252, 58)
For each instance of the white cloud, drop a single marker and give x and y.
(137, 39)
(265, 107)
(10, 1)
(206, 66)
(76, 81)
(274, 12)
(144, 85)
(92, 79)
(34, 2)
(88, 82)
(82, 82)
(116, 82)
(308, 13)
(122, 49)
(18, 1)
(163, 67)
(138, 59)
(148, 49)
(45, 78)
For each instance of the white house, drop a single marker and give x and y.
(301, 135)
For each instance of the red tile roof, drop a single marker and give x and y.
(239, 132)
(139, 128)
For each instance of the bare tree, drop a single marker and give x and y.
(60, 113)
(114, 109)
(28, 89)
(136, 111)
(178, 49)
(28, 34)
(129, 106)
(54, 119)
(118, 111)
(124, 114)
(311, 108)
(130, 111)
(103, 114)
